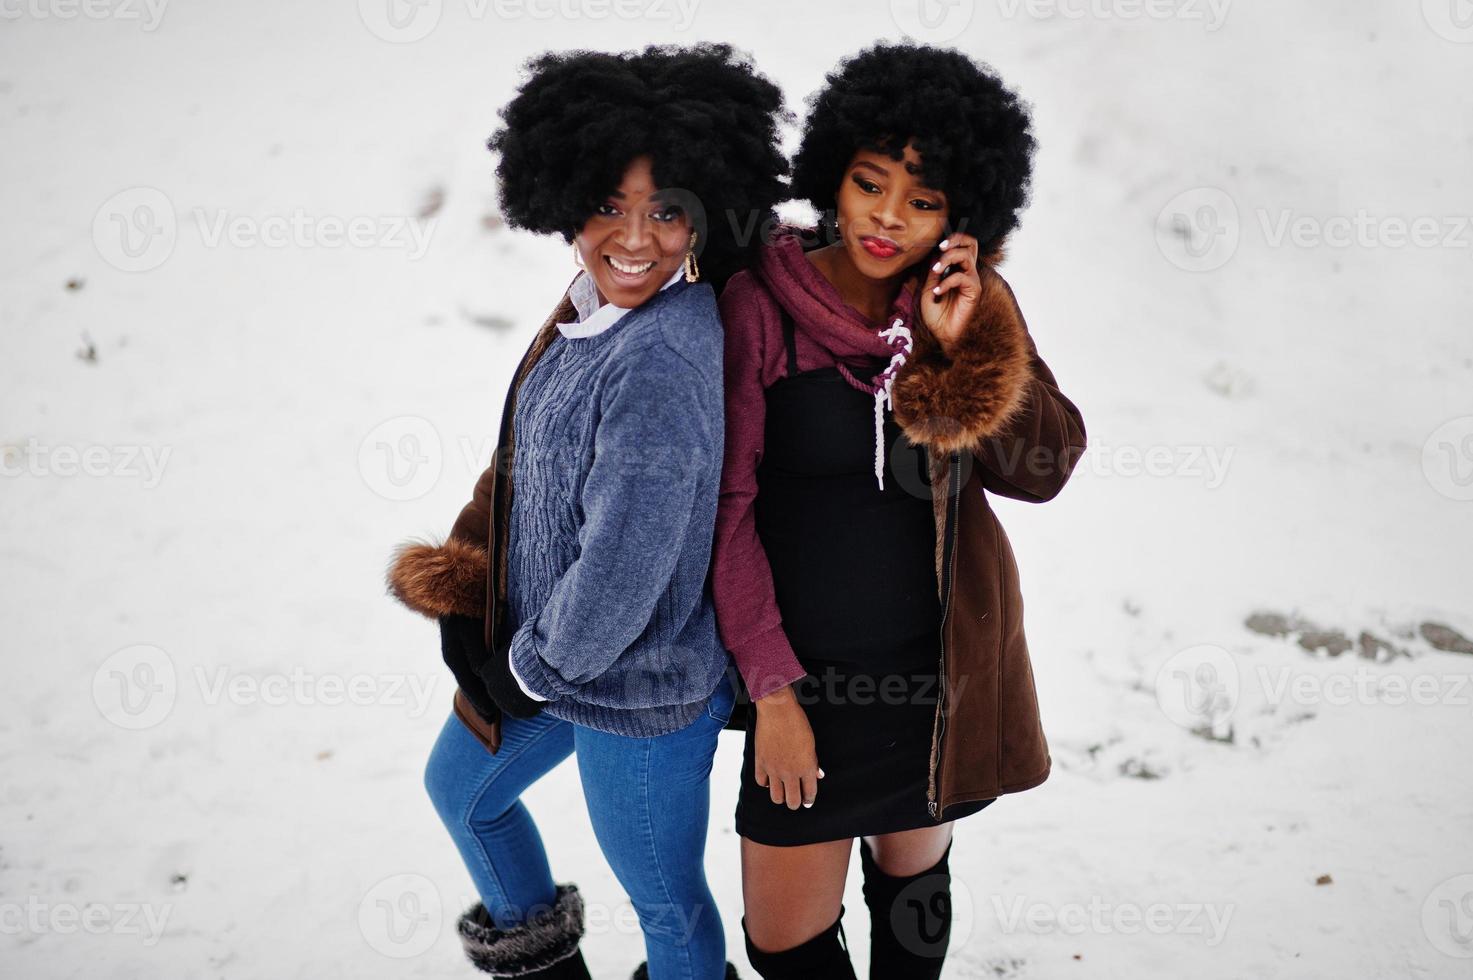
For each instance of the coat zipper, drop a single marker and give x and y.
(948, 574)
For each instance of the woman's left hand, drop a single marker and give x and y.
(463, 638)
(947, 305)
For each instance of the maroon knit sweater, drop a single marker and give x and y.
(829, 332)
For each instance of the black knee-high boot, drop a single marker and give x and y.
(824, 957)
(910, 919)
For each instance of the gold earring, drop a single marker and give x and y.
(692, 271)
(578, 257)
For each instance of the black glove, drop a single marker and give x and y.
(466, 678)
(484, 675)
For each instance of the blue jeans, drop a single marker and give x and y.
(648, 799)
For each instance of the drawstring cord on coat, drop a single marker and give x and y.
(899, 338)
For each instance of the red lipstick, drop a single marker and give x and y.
(880, 248)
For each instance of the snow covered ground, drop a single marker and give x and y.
(1248, 260)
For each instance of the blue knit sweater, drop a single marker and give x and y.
(616, 471)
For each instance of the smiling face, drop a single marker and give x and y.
(635, 240)
(888, 220)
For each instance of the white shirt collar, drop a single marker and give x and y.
(594, 319)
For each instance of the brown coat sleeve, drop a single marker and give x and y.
(994, 397)
(1034, 455)
(436, 580)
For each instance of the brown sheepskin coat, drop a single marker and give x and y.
(994, 421)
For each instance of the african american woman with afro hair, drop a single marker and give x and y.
(880, 384)
(571, 593)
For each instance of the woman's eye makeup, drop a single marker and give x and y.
(671, 212)
(607, 210)
(870, 187)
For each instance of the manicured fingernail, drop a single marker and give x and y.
(936, 267)
(945, 242)
(820, 774)
(807, 806)
(935, 290)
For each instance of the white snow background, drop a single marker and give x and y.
(214, 722)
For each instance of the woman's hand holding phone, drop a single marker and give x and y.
(953, 287)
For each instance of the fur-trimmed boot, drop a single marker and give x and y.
(824, 957)
(545, 947)
(642, 972)
(910, 919)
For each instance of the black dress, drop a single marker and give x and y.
(853, 569)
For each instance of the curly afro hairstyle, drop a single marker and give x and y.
(705, 117)
(973, 134)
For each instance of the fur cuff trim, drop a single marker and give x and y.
(951, 403)
(544, 939)
(440, 580)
